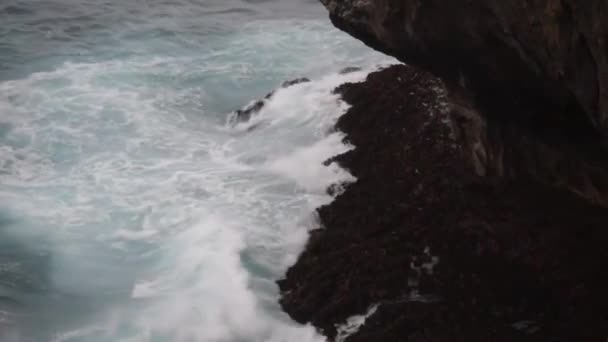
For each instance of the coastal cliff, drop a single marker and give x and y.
(528, 80)
(479, 210)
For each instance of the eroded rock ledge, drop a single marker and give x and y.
(528, 80)
(449, 255)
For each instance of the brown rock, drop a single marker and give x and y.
(528, 80)
(448, 255)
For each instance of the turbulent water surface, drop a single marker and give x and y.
(129, 209)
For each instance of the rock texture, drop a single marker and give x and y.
(527, 79)
(448, 255)
(480, 208)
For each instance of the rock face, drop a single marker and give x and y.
(527, 79)
(447, 255)
(479, 211)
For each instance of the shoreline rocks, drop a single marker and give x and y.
(527, 80)
(484, 222)
(446, 254)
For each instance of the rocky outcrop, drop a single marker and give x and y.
(527, 80)
(447, 255)
(479, 211)
(245, 113)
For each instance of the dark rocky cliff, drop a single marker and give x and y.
(528, 79)
(479, 215)
(447, 255)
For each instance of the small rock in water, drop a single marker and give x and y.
(245, 113)
(349, 70)
(294, 82)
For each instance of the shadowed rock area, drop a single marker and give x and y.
(528, 80)
(448, 254)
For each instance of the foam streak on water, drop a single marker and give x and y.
(130, 210)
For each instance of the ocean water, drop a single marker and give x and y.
(130, 209)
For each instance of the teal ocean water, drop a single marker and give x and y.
(130, 209)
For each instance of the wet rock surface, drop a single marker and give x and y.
(448, 255)
(349, 70)
(528, 80)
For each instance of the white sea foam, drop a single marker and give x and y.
(303, 165)
(163, 224)
(353, 324)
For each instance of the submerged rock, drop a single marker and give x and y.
(349, 70)
(244, 114)
(294, 82)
